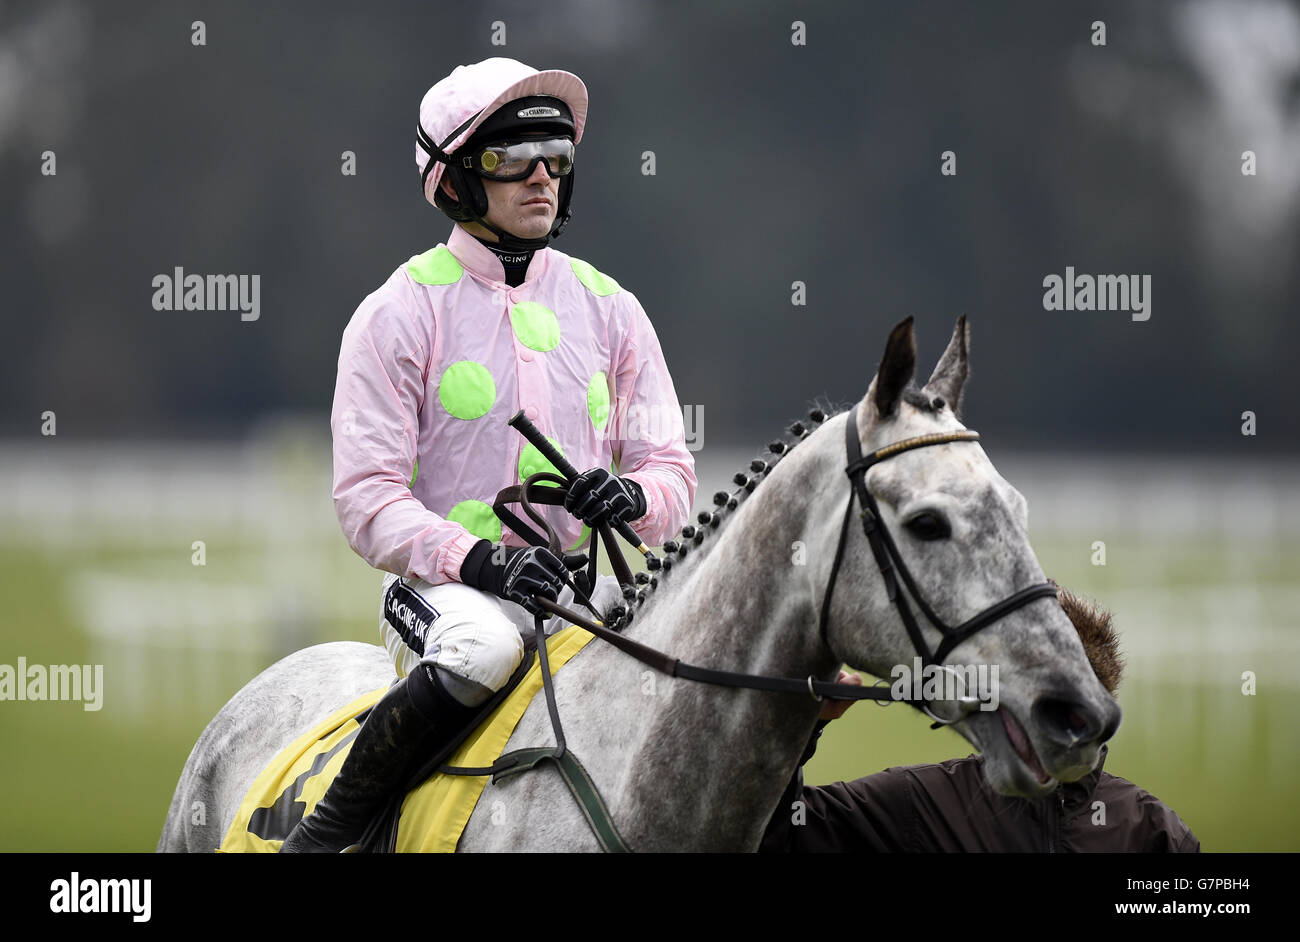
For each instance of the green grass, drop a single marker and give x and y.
(87, 781)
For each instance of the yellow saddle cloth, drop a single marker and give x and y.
(433, 815)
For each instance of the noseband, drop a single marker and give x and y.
(890, 562)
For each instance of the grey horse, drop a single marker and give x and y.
(686, 766)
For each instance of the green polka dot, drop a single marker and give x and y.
(531, 460)
(414, 472)
(435, 267)
(582, 538)
(478, 518)
(598, 284)
(535, 325)
(598, 400)
(467, 390)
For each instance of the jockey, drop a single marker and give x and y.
(432, 365)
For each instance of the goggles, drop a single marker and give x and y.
(511, 161)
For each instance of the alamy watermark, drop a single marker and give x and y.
(84, 682)
(181, 292)
(79, 895)
(1098, 293)
(650, 423)
(946, 687)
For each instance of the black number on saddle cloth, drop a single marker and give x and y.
(276, 822)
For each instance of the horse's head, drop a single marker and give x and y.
(959, 531)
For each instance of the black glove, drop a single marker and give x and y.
(516, 573)
(597, 495)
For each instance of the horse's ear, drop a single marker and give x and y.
(897, 367)
(950, 375)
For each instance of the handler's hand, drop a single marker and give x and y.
(834, 709)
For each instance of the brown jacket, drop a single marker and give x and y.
(950, 807)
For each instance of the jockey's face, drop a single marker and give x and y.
(524, 208)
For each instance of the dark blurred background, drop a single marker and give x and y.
(165, 506)
(774, 163)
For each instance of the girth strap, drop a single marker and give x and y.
(581, 786)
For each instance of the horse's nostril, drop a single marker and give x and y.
(1112, 723)
(1067, 721)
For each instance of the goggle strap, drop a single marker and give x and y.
(437, 153)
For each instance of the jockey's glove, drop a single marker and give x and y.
(514, 573)
(596, 495)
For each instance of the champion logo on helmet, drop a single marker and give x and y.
(538, 111)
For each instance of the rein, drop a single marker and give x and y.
(885, 551)
(530, 493)
(888, 560)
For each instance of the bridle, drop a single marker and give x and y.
(882, 547)
(890, 562)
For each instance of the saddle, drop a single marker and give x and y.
(432, 808)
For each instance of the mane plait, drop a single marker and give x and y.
(724, 504)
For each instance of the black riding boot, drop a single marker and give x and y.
(416, 710)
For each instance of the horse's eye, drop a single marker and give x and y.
(929, 526)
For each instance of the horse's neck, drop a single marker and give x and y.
(711, 761)
(747, 603)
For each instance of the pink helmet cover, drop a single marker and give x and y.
(465, 98)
